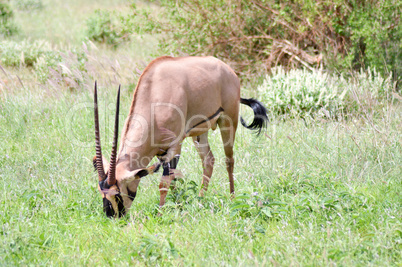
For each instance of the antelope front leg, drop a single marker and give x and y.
(167, 177)
(165, 183)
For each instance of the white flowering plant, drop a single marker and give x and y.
(301, 91)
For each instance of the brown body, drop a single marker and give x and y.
(176, 98)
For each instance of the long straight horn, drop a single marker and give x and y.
(112, 168)
(99, 163)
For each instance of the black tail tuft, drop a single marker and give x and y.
(260, 115)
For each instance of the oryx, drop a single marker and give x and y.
(174, 98)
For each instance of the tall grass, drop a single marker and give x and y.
(326, 192)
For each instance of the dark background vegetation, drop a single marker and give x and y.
(340, 35)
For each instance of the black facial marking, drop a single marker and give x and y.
(120, 205)
(107, 205)
(131, 195)
(108, 208)
(104, 184)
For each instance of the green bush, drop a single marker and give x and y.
(107, 27)
(24, 53)
(7, 27)
(28, 5)
(46, 62)
(302, 92)
(67, 69)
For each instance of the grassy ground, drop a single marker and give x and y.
(308, 192)
(326, 192)
(61, 22)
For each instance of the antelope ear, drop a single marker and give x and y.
(135, 175)
(142, 172)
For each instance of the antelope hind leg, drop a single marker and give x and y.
(207, 158)
(228, 130)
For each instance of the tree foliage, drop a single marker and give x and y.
(107, 27)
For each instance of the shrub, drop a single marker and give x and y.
(107, 27)
(65, 67)
(28, 5)
(7, 27)
(24, 53)
(69, 70)
(44, 63)
(302, 92)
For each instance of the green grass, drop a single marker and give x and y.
(61, 22)
(308, 192)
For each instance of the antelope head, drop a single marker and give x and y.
(117, 198)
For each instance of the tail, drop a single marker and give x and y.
(260, 115)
